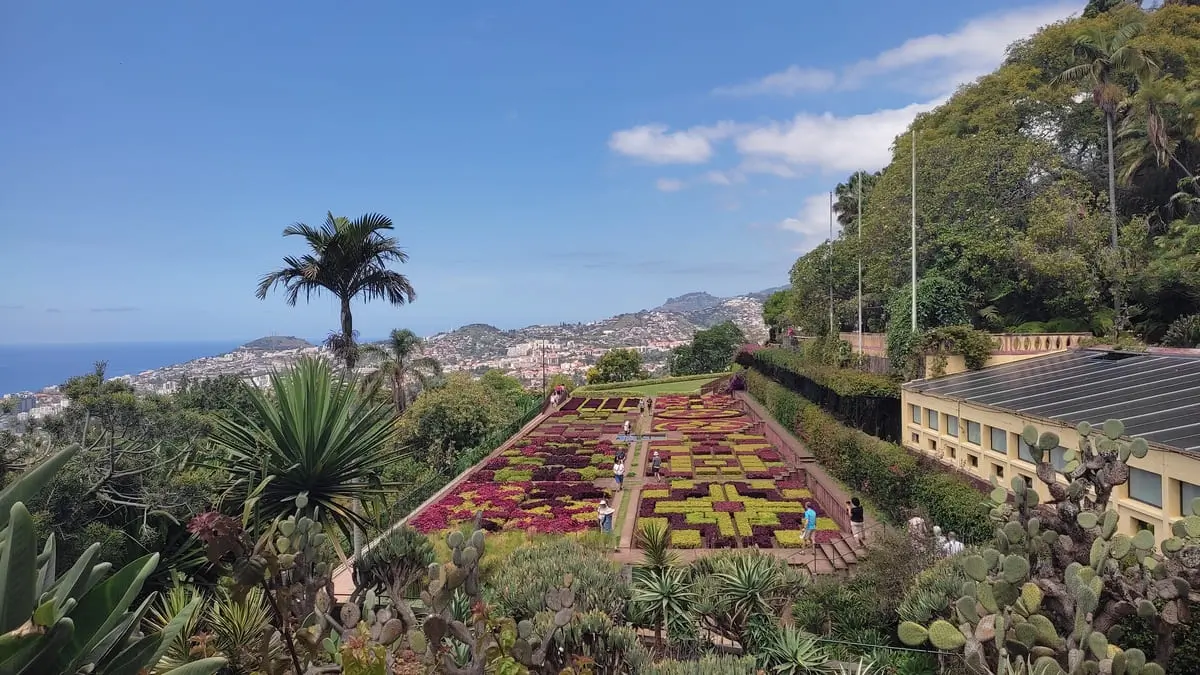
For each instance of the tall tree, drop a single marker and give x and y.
(617, 365)
(403, 365)
(1101, 55)
(845, 205)
(350, 259)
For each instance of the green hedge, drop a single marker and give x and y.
(891, 477)
(843, 381)
(621, 386)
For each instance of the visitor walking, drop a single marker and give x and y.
(619, 471)
(626, 428)
(855, 509)
(810, 523)
(916, 527)
(939, 540)
(656, 465)
(953, 545)
(605, 514)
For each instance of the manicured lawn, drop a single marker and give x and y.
(685, 387)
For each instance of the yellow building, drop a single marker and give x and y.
(972, 422)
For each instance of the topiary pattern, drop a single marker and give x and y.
(1048, 595)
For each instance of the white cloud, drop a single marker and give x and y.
(670, 184)
(832, 143)
(930, 64)
(811, 222)
(940, 62)
(789, 82)
(654, 143)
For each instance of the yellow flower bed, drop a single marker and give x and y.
(685, 539)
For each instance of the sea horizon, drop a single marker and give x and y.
(33, 367)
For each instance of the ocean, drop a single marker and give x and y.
(32, 367)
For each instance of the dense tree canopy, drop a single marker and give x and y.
(1012, 187)
(711, 351)
(617, 365)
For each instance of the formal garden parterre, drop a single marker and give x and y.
(724, 484)
(546, 481)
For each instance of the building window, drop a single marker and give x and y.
(931, 419)
(998, 471)
(1187, 492)
(916, 438)
(932, 445)
(952, 426)
(1145, 486)
(1140, 525)
(1057, 459)
(951, 451)
(1028, 481)
(973, 460)
(916, 413)
(973, 432)
(999, 440)
(1024, 452)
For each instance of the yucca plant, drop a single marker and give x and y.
(320, 446)
(663, 598)
(81, 621)
(170, 605)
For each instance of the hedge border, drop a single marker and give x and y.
(892, 477)
(618, 386)
(842, 381)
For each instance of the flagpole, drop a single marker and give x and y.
(914, 227)
(831, 263)
(860, 320)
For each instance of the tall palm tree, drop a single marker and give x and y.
(350, 259)
(1157, 126)
(1101, 55)
(317, 435)
(403, 365)
(845, 206)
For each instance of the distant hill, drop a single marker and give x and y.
(689, 302)
(276, 343)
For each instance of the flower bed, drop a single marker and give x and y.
(544, 481)
(724, 515)
(726, 487)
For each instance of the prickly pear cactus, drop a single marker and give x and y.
(1048, 595)
(492, 645)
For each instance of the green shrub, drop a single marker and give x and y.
(842, 381)
(890, 476)
(723, 664)
(520, 582)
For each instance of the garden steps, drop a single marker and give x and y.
(844, 551)
(834, 557)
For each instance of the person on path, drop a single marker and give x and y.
(855, 509)
(656, 465)
(619, 472)
(605, 514)
(810, 523)
(953, 545)
(939, 541)
(626, 428)
(916, 527)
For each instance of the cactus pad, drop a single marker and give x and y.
(1121, 545)
(1016, 568)
(1144, 540)
(1032, 596)
(944, 636)
(965, 606)
(1109, 524)
(1086, 519)
(912, 634)
(999, 495)
(1098, 644)
(976, 567)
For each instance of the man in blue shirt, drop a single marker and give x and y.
(810, 523)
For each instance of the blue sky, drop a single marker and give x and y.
(543, 161)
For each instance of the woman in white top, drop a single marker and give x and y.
(619, 473)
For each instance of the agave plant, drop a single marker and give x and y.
(321, 446)
(663, 598)
(792, 652)
(394, 563)
(84, 619)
